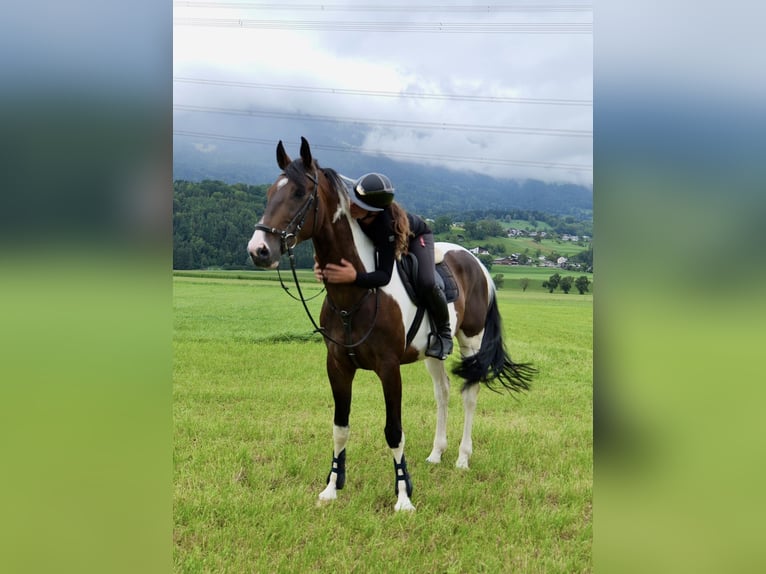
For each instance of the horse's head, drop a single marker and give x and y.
(292, 206)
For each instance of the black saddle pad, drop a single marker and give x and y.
(408, 270)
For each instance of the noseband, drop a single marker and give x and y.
(289, 237)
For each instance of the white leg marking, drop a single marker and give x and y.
(403, 501)
(441, 394)
(469, 346)
(339, 439)
(469, 407)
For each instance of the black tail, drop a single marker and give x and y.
(492, 363)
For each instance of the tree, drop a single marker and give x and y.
(486, 260)
(524, 282)
(491, 228)
(442, 224)
(499, 279)
(566, 284)
(484, 228)
(498, 248)
(472, 230)
(552, 282)
(582, 283)
(212, 222)
(584, 258)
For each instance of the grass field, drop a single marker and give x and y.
(253, 441)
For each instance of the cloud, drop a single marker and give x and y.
(504, 77)
(205, 148)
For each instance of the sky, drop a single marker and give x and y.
(510, 94)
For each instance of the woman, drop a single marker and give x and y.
(394, 232)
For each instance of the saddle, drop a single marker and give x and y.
(408, 271)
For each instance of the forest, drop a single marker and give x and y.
(213, 221)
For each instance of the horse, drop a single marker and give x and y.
(367, 328)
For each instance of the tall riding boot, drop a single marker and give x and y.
(440, 343)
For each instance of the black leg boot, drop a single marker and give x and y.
(440, 343)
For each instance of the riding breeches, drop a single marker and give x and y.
(422, 247)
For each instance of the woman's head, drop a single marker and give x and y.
(372, 192)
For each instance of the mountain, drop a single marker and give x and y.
(424, 189)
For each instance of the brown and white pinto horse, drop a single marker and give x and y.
(367, 329)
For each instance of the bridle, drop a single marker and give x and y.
(288, 240)
(289, 237)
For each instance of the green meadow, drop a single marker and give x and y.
(252, 412)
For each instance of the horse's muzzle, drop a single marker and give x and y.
(262, 254)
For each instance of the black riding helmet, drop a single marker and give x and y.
(373, 192)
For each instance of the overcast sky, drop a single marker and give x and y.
(493, 80)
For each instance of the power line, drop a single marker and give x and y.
(419, 27)
(389, 7)
(404, 155)
(388, 94)
(389, 123)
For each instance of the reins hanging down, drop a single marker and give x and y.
(345, 315)
(289, 239)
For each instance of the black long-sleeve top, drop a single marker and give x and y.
(381, 231)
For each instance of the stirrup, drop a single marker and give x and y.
(441, 346)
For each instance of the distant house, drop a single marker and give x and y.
(561, 261)
(479, 251)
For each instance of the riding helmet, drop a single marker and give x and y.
(373, 192)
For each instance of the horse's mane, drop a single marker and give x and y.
(334, 178)
(338, 185)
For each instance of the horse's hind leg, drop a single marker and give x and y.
(441, 394)
(469, 346)
(340, 380)
(470, 394)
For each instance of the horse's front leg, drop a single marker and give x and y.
(341, 378)
(392, 391)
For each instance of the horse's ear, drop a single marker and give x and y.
(305, 153)
(283, 160)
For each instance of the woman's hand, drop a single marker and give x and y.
(343, 273)
(318, 272)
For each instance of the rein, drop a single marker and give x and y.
(289, 239)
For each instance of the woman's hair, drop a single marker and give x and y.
(401, 229)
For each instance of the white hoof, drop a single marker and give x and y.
(434, 458)
(328, 494)
(462, 461)
(404, 504)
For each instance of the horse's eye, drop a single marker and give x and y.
(299, 192)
